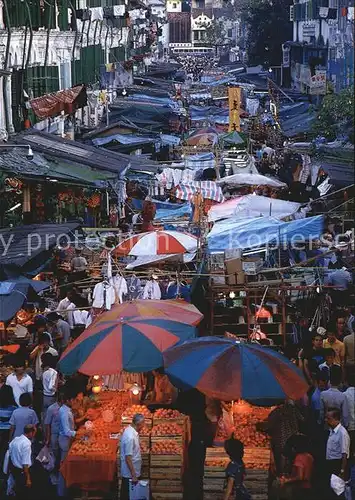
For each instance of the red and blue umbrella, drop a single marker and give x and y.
(132, 344)
(228, 370)
(176, 309)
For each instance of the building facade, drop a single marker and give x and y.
(322, 47)
(48, 46)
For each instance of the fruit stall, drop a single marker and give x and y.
(257, 453)
(93, 462)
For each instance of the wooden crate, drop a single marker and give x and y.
(125, 421)
(174, 437)
(166, 486)
(166, 466)
(258, 458)
(167, 496)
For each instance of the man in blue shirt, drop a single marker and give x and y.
(52, 435)
(66, 435)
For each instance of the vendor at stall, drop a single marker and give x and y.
(164, 392)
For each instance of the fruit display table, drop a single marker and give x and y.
(91, 461)
(257, 453)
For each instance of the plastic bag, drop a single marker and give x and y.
(46, 459)
(139, 491)
(337, 484)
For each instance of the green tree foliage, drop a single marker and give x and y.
(269, 27)
(336, 115)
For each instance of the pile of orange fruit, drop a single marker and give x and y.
(166, 413)
(132, 410)
(166, 447)
(168, 429)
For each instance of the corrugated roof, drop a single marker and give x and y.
(82, 154)
(25, 248)
(40, 166)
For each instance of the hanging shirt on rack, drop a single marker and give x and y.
(176, 290)
(103, 295)
(134, 287)
(120, 286)
(152, 290)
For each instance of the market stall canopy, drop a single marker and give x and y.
(230, 370)
(157, 243)
(252, 206)
(151, 259)
(252, 180)
(25, 249)
(262, 232)
(296, 118)
(15, 292)
(68, 100)
(176, 310)
(232, 138)
(209, 190)
(135, 345)
(203, 137)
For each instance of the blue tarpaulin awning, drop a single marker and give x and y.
(14, 292)
(262, 232)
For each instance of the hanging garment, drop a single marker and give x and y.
(120, 286)
(152, 290)
(82, 318)
(97, 13)
(114, 382)
(119, 10)
(103, 296)
(134, 286)
(178, 290)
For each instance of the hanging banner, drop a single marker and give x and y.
(234, 99)
(286, 56)
(318, 83)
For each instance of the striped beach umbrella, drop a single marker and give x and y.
(133, 345)
(177, 310)
(157, 243)
(228, 370)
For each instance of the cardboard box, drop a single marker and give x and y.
(234, 253)
(236, 278)
(231, 279)
(233, 266)
(240, 278)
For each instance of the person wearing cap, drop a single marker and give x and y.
(61, 330)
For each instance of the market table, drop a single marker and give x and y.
(91, 471)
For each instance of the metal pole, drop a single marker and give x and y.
(282, 76)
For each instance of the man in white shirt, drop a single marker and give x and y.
(20, 461)
(65, 307)
(20, 382)
(338, 445)
(131, 459)
(49, 381)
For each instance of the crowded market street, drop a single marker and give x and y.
(177, 286)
